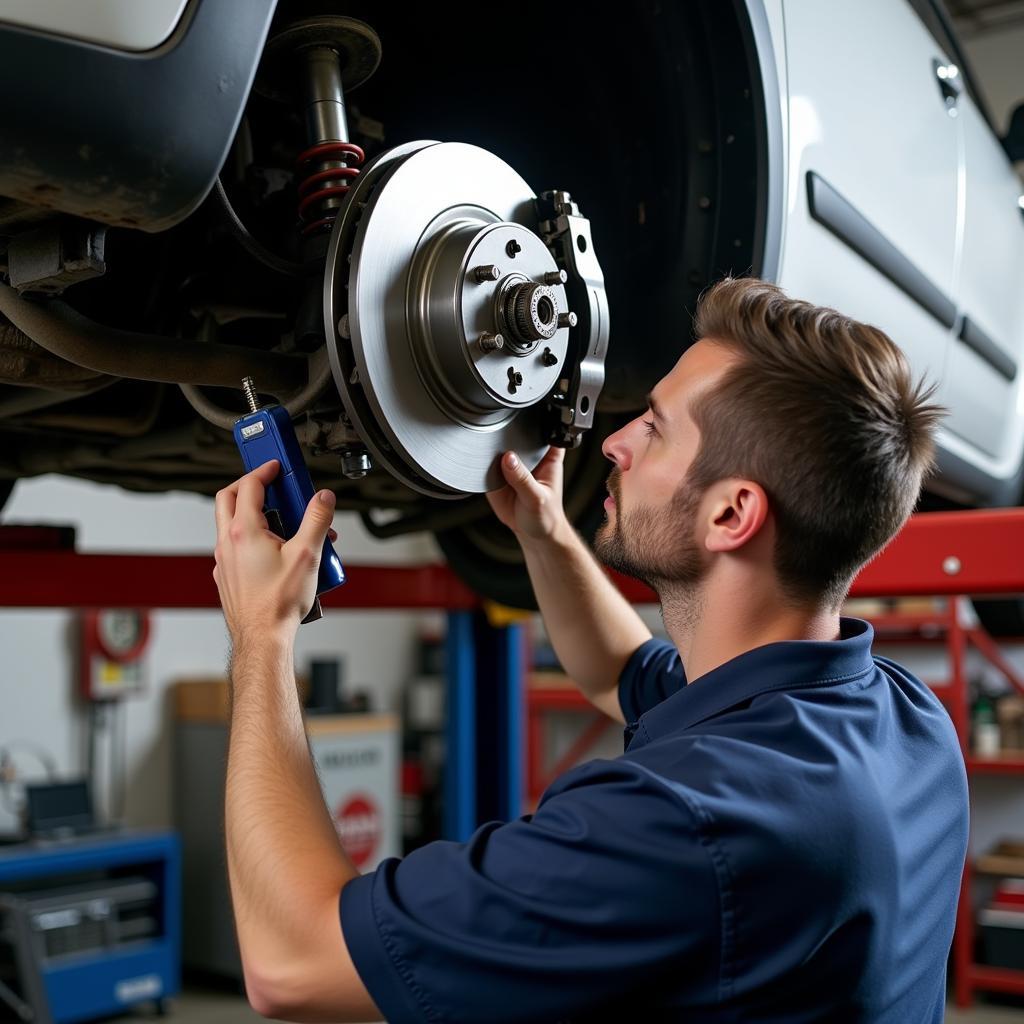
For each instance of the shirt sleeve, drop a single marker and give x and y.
(653, 672)
(607, 892)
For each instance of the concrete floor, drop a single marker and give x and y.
(202, 1006)
(983, 1013)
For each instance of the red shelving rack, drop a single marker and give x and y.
(543, 697)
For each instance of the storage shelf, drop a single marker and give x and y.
(997, 979)
(1009, 765)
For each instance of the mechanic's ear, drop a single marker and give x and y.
(738, 512)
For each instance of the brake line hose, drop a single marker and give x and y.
(319, 377)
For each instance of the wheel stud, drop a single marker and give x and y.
(488, 272)
(490, 342)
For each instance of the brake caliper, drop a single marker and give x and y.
(567, 234)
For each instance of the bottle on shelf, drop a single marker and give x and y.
(986, 729)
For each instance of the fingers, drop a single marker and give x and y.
(265, 473)
(316, 522)
(550, 466)
(520, 479)
(554, 456)
(224, 510)
(251, 493)
(226, 502)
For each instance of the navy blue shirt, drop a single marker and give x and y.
(781, 841)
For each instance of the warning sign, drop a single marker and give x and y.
(358, 822)
(357, 759)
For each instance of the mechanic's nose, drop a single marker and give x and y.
(616, 448)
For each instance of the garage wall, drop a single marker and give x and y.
(37, 672)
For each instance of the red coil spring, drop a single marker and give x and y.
(330, 183)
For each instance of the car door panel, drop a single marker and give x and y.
(983, 380)
(868, 122)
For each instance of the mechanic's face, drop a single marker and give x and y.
(652, 514)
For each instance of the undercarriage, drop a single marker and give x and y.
(419, 306)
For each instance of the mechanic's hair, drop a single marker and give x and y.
(823, 413)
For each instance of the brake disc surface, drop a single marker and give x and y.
(446, 317)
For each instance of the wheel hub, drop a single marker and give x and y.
(476, 360)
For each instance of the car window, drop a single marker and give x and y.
(938, 22)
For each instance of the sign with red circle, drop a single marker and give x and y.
(357, 821)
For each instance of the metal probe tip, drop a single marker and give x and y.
(250, 394)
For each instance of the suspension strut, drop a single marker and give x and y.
(328, 183)
(314, 62)
(311, 65)
(331, 161)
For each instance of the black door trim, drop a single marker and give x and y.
(849, 225)
(981, 344)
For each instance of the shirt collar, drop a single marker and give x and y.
(786, 665)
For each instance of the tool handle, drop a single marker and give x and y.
(268, 434)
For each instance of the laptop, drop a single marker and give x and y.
(57, 810)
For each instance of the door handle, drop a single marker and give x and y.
(951, 84)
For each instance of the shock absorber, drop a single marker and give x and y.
(329, 164)
(320, 191)
(315, 62)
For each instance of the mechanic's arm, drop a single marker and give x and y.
(285, 864)
(592, 627)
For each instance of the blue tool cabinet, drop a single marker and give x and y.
(94, 966)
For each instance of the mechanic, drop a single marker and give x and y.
(782, 839)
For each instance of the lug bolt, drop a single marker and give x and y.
(488, 272)
(556, 277)
(490, 342)
(355, 463)
(548, 358)
(515, 379)
(567, 319)
(512, 248)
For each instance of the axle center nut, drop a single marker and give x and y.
(532, 312)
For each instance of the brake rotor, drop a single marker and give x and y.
(447, 317)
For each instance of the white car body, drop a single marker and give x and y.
(861, 107)
(118, 24)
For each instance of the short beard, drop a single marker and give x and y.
(656, 546)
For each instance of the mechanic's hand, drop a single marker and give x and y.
(531, 504)
(266, 585)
